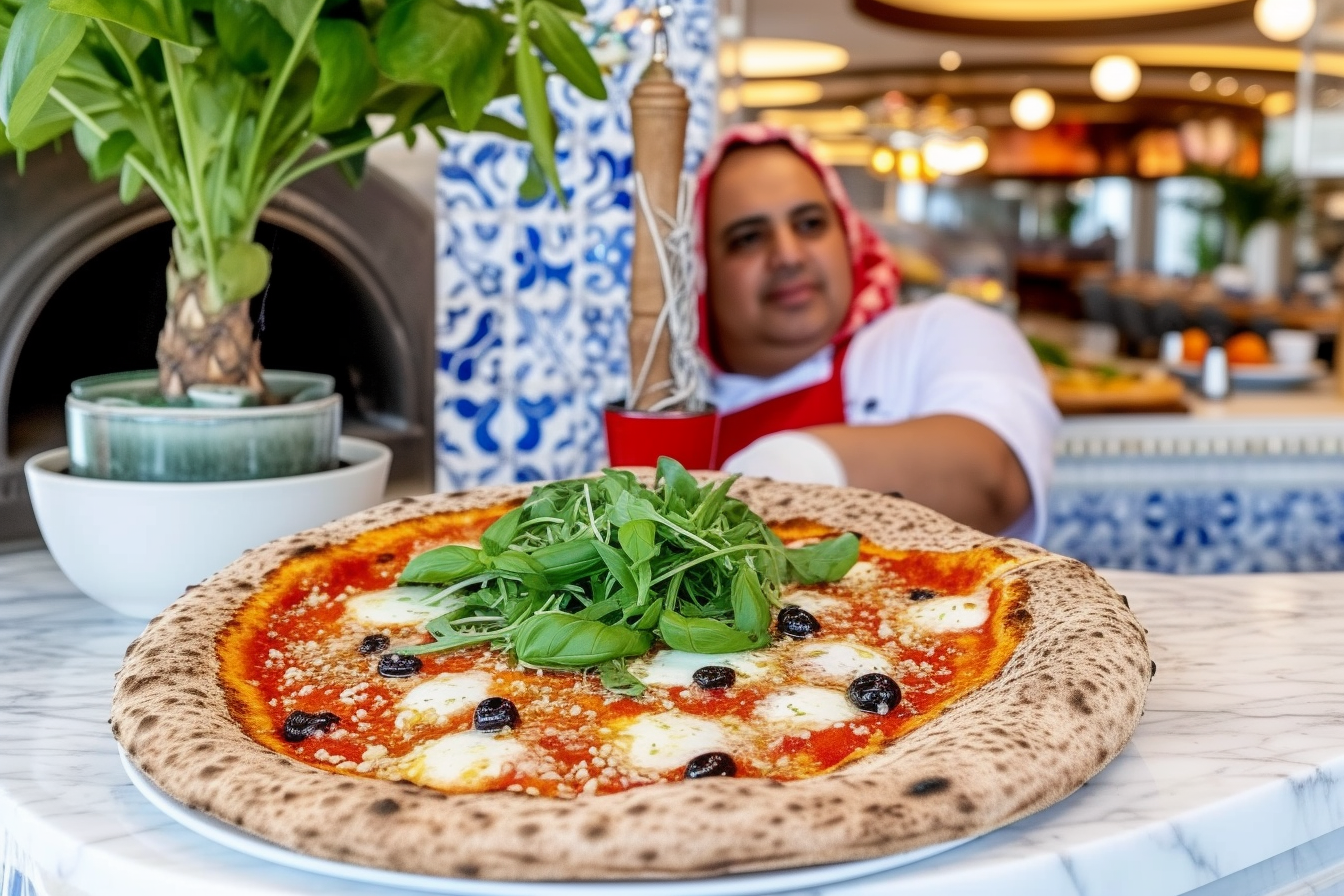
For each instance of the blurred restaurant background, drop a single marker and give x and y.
(1109, 173)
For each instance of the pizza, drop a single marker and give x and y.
(943, 684)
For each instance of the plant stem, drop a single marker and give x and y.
(272, 99)
(713, 555)
(150, 178)
(140, 89)
(213, 300)
(335, 155)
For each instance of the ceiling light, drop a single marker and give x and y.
(1227, 86)
(842, 150)
(1254, 94)
(1032, 109)
(1284, 19)
(1115, 78)
(948, 156)
(883, 160)
(1200, 81)
(818, 122)
(729, 101)
(909, 165)
(772, 57)
(762, 94)
(1280, 102)
(950, 61)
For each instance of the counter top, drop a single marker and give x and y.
(1239, 759)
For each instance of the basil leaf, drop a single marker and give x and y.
(563, 640)
(497, 538)
(825, 561)
(566, 562)
(444, 565)
(704, 635)
(599, 609)
(637, 539)
(751, 611)
(648, 620)
(617, 679)
(675, 479)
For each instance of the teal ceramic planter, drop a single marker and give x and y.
(115, 432)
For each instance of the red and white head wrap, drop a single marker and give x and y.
(875, 278)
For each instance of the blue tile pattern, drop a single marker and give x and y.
(531, 303)
(1193, 529)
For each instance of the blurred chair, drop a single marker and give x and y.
(1167, 315)
(1136, 326)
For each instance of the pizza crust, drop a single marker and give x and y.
(1064, 706)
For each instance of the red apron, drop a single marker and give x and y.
(814, 405)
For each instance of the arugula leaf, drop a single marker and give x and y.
(499, 536)
(617, 679)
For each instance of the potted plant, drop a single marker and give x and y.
(218, 105)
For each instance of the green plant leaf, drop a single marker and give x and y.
(497, 538)
(617, 679)
(533, 186)
(825, 561)
(574, 6)
(704, 635)
(131, 184)
(40, 41)
(351, 167)
(291, 14)
(562, 640)
(250, 36)
(104, 156)
(537, 111)
(460, 49)
(443, 565)
(349, 74)
(566, 562)
(164, 19)
(648, 620)
(565, 50)
(243, 269)
(682, 484)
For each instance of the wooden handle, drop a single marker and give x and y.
(658, 112)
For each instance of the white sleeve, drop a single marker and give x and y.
(971, 361)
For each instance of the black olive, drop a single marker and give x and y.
(398, 665)
(714, 678)
(923, 594)
(495, 714)
(797, 623)
(374, 644)
(712, 765)
(874, 693)
(300, 725)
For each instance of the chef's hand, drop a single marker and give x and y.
(789, 457)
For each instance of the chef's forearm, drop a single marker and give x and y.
(952, 464)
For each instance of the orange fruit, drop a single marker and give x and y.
(1195, 343)
(1247, 348)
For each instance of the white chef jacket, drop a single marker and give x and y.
(947, 355)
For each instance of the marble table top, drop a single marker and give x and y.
(1239, 758)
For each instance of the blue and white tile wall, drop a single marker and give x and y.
(532, 298)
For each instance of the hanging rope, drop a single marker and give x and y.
(674, 243)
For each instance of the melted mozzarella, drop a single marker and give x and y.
(813, 602)
(838, 661)
(669, 740)
(674, 668)
(862, 573)
(462, 761)
(949, 614)
(442, 696)
(807, 707)
(395, 606)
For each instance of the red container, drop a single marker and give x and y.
(639, 438)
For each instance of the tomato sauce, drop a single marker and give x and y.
(293, 648)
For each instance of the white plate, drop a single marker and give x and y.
(1258, 377)
(731, 885)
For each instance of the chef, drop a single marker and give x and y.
(821, 377)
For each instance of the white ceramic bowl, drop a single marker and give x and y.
(136, 546)
(1293, 348)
